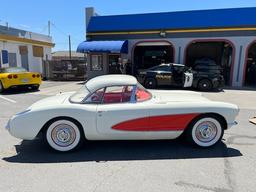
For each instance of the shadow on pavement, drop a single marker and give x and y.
(38, 152)
(17, 91)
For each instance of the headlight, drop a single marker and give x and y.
(23, 112)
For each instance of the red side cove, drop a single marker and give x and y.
(157, 123)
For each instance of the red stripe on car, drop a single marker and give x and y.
(157, 123)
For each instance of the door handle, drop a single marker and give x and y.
(102, 111)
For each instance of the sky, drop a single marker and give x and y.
(67, 17)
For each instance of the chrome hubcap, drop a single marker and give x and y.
(63, 135)
(206, 131)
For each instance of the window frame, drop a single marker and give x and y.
(132, 99)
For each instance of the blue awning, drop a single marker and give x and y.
(103, 46)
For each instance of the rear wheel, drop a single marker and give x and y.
(150, 83)
(1, 87)
(35, 87)
(205, 131)
(63, 135)
(204, 85)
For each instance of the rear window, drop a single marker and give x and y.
(142, 94)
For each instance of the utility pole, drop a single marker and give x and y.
(49, 28)
(69, 42)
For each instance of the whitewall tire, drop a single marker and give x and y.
(63, 135)
(206, 131)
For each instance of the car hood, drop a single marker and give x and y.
(50, 101)
(177, 96)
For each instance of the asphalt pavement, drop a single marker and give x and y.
(151, 166)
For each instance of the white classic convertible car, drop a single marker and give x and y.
(117, 107)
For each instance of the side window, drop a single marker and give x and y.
(117, 94)
(96, 62)
(96, 97)
(164, 68)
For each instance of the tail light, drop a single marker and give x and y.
(9, 76)
(15, 76)
(37, 75)
(34, 76)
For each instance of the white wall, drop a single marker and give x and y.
(35, 63)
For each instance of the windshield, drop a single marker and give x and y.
(80, 95)
(13, 70)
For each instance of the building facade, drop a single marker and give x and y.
(19, 48)
(227, 36)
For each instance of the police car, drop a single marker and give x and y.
(166, 75)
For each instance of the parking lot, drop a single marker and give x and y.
(129, 165)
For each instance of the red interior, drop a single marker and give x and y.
(117, 97)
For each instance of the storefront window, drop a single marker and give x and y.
(96, 62)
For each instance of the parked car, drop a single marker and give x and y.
(14, 77)
(117, 107)
(163, 75)
(207, 75)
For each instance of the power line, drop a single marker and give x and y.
(59, 30)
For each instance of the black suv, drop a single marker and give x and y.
(162, 75)
(207, 75)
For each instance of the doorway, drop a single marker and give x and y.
(24, 61)
(219, 52)
(150, 54)
(250, 71)
(114, 64)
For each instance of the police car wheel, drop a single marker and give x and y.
(150, 83)
(204, 85)
(1, 87)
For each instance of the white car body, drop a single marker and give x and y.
(105, 121)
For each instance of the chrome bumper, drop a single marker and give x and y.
(7, 126)
(232, 124)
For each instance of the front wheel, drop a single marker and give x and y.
(35, 87)
(205, 131)
(63, 135)
(1, 87)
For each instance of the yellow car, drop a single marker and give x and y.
(14, 77)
